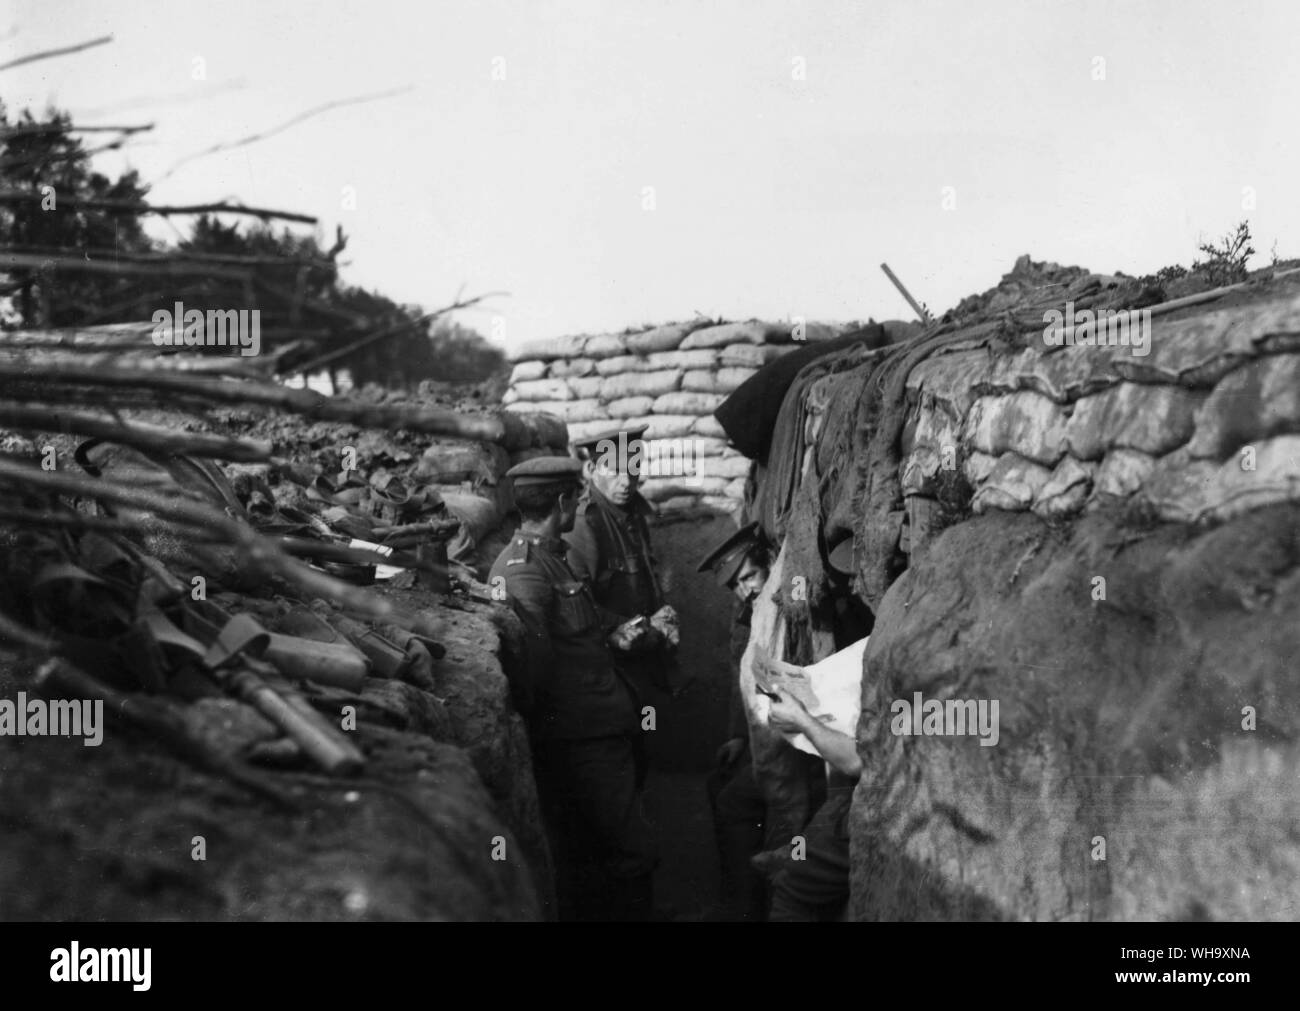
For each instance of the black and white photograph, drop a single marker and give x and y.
(659, 461)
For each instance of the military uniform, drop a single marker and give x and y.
(611, 547)
(739, 807)
(583, 720)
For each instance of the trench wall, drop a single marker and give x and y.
(1109, 546)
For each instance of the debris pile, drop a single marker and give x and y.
(273, 602)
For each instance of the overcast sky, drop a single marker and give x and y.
(619, 163)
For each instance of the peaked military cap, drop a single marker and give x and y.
(725, 560)
(546, 470)
(611, 435)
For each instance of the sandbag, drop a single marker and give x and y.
(1151, 419)
(760, 332)
(665, 426)
(688, 403)
(605, 346)
(752, 331)
(749, 356)
(1066, 490)
(1025, 423)
(725, 504)
(661, 338)
(563, 368)
(673, 457)
(629, 407)
(977, 467)
(642, 384)
(930, 439)
(588, 387)
(549, 348)
(702, 359)
(567, 410)
(580, 430)
(1013, 485)
(1200, 490)
(1259, 400)
(712, 446)
(525, 371)
(620, 364)
(1121, 473)
(728, 467)
(723, 381)
(543, 390)
(656, 488)
(709, 427)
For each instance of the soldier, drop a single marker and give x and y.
(740, 563)
(610, 546)
(817, 887)
(582, 717)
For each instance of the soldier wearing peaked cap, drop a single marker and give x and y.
(582, 717)
(739, 563)
(610, 546)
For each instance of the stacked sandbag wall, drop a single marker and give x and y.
(1203, 427)
(1106, 545)
(670, 378)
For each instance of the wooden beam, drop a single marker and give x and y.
(132, 207)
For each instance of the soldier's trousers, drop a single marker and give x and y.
(739, 813)
(817, 887)
(604, 848)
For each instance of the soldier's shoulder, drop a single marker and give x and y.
(514, 556)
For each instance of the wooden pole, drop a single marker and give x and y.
(430, 420)
(151, 437)
(922, 315)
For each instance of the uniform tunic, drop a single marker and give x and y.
(611, 547)
(583, 723)
(569, 688)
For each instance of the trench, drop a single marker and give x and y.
(690, 728)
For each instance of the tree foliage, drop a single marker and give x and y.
(305, 310)
(33, 159)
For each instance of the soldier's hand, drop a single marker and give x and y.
(665, 622)
(730, 751)
(634, 636)
(787, 713)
